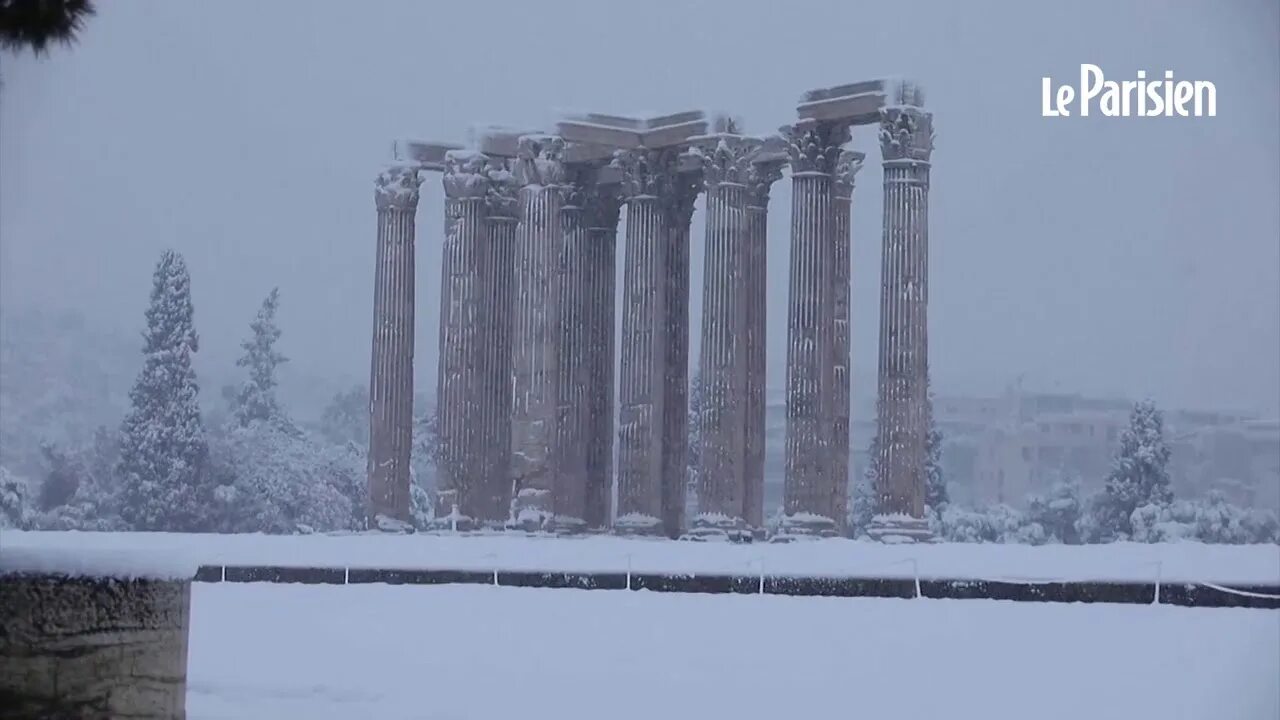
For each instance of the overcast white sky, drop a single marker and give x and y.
(1128, 256)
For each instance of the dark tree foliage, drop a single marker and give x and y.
(36, 24)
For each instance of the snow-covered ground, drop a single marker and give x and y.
(1185, 561)
(454, 652)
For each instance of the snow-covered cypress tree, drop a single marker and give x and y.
(1139, 475)
(862, 497)
(936, 495)
(256, 399)
(693, 455)
(162, 445)
(935, 483)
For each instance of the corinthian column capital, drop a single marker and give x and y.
(540, 160)
(602, 207)
(502, 189)
(760, 178)
(906, 133)
(684, 193)
(813, 146)
(465, 175)
(647, 171)
(726, 159)
(579, 183)
(847, 167)
(396, 187)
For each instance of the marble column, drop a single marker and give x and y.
(647, 178)
(761, 178)
(503, 203)
(808, 494)
(724, 361)
(600, 272)
(569, 486)
(675, 407)
(842, 197)
(461, 406)
(539, 170)
(391, 372)
(906, 145)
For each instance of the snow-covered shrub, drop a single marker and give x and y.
(15, 502)
(997, 524)
(1058, 513)
(1210, 520)
(275, 478)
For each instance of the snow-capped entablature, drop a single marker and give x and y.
(500, 141)
(858, 103)
(627, 133)
(427, 155)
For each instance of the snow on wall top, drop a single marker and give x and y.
(84, 562)
(1180, 561)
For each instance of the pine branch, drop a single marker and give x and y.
(36, 24)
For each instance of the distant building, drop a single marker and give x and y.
(1002, 448)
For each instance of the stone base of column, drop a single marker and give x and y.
(804, 525)
(899, 528)
(565, 525)
(531, 510)
(448, 518)
(718, 527)
(73, 646)
(639, 524)
(388, 524)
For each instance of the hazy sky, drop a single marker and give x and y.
(1103, 255)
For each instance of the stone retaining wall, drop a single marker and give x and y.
(92, 647)
(1139, 593)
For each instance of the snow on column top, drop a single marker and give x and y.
(96, 563)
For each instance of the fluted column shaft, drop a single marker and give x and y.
(460, 403)
(391, 372)
(723, 363)
(675, 407)
(810, 391)
(906, 143)
(539, 237)
(600, 274)
(642, 367)
(842, 189)
(762, 176)
(569, 487)
(500, 271)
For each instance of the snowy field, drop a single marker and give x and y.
(1185, 561)
(454, 652)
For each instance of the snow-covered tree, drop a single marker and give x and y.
(275, 478)
(1058, 513)
(862, 496)
(256, 398)
(697, 401)
(1139, 476)
(936, 495)
(162, 449)
(16, 511)
(346, 418)
(62, 479)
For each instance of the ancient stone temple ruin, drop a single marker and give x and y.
(529, 377)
